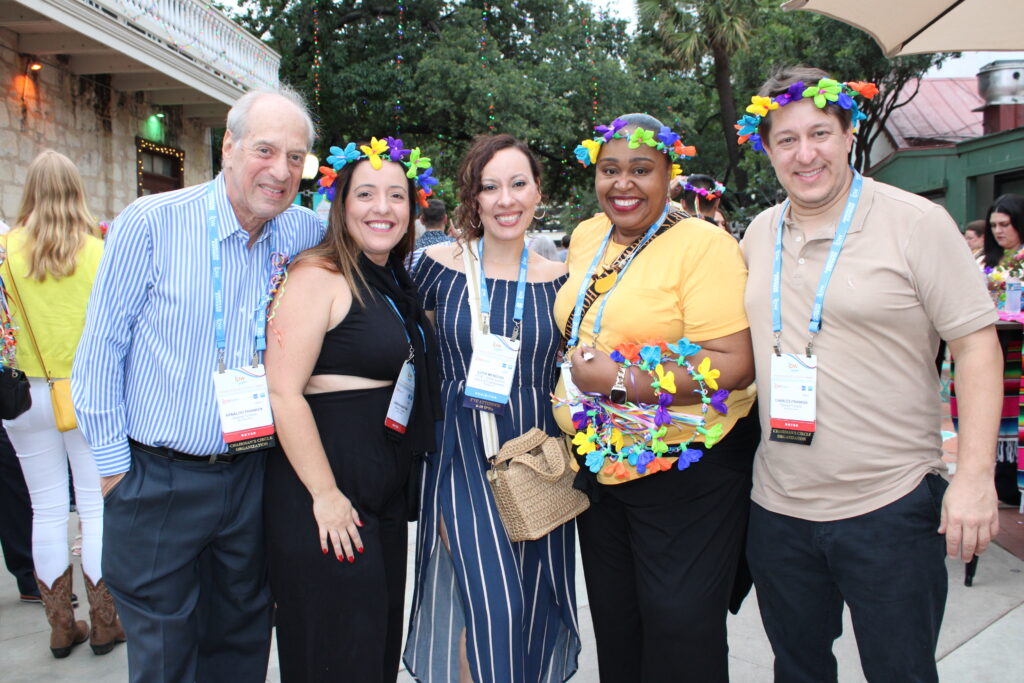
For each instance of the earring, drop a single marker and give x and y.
(541, 217)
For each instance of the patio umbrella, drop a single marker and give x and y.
(903, 27)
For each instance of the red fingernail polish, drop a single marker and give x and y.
(341, 558)
(325, 550)
(351, 559)
(359, 523)
(359, 549)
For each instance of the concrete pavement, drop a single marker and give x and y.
(980, 641)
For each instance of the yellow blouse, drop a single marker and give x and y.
(687, 282)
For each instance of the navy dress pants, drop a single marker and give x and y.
(183, 556)
(15, 519)
(888, 565)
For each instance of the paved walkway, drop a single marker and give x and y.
(980, 641)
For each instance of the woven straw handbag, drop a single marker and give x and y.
(532, 484)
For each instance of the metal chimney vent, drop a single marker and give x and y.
(1002, 82)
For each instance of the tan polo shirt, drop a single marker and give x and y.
(904, 279)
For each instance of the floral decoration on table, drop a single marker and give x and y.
(664, 141)
(8, 342)
(1010, 267)
(602, 426)
(826, 91)
(418, 167)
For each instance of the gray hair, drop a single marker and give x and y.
(238, 116)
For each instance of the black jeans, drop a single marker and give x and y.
(888, 565)
(661, 556)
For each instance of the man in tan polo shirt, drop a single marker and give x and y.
(849, 504)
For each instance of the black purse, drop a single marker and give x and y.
(15, 398)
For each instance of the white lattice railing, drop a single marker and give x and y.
(201, 33)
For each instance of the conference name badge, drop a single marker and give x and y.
(491, 371)
(402, 398)
(791, 409)
(243, 403)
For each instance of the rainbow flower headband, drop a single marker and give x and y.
(826, 91)
(665, 141)
(704, 192)
(417, 167)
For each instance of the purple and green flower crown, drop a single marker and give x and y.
(826, 91)
(714, 193)
(665, 141)
(417, 166)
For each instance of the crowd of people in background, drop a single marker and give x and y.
(265, 401)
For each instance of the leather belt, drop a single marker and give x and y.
(178, 456)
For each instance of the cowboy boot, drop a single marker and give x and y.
(106, 626)
(65, 630)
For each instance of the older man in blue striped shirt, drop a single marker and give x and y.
(180, 297)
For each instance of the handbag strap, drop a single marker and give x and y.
(547, 464)
(634, 248)
(21, 309)
(488, 425)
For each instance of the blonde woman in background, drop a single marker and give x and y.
(53, 253)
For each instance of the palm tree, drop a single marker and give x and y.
(691, 32)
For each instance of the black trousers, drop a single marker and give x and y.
(660, 557)
(15, 519)
(339, 620)
(183, 556)
(888, 565)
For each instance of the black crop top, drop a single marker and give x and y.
(369, 342)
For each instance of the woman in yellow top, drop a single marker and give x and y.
(52, 257)
(658, 369)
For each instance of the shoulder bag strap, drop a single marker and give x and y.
(635, 247)
(21, 310)
(488, 425)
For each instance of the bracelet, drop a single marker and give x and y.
(601, 424)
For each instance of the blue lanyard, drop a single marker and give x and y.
(217, 275)
(826, 274)
(485, 298)
(577, 314)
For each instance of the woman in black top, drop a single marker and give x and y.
(346, 335)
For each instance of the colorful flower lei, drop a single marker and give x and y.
(826, 91)
(665, 141)
(417, 166)
(710, 195)
(602, 425)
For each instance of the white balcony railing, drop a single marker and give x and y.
(198, 32)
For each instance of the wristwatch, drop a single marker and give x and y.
(618, 392)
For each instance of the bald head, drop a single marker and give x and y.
(283, 98)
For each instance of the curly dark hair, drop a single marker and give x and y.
(483, 149)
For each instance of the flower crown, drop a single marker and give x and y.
(716, 192)
(665, 141)
(417, 167)
(824, 92)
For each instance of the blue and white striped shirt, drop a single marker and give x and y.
(144, 367)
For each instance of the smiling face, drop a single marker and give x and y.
(809, 150)
(1004, 231)
(631, 185)
(508, 195)
(263, 167)
(377, 208)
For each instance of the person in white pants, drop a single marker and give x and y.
(51, 258)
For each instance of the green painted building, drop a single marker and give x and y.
(964, 177)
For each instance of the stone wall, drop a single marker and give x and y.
(92, 124)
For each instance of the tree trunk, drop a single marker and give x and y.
(723, 83)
